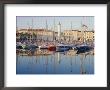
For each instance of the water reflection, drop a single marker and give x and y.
(49, 62)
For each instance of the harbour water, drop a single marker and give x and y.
(51, 62)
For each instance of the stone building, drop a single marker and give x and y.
(37, 34)
(78, 35)
(70, 35)
(49, 35)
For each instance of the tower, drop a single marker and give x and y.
(59, 31)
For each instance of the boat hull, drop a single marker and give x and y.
(62, 49)
(83, 49)
(52, 48)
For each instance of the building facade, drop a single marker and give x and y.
(70, 35)
(49, 35)
(36, 34)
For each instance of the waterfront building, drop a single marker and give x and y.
(78, 35)
(70, 35)
(49, 35)
(37, 34)
(89, 35)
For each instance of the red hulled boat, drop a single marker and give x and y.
(52, 48)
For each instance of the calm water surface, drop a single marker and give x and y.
(46, 62)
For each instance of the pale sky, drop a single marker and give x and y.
(66, 21)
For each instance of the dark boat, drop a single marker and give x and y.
(83, 49)
(32, 47)
(19, 47)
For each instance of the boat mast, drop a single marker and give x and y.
(54, 31)
(29, 32)
(46, 25)
(71, 25)
(84, 30)
(46, 28)
(32, 29)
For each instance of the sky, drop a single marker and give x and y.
(67, 22)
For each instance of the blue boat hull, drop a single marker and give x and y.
(83, 49)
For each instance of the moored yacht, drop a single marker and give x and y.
(83, 48)
(43, 47)
(62, 47)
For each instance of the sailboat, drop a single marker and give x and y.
(52, 47)
(83, 47)
(31, 46)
